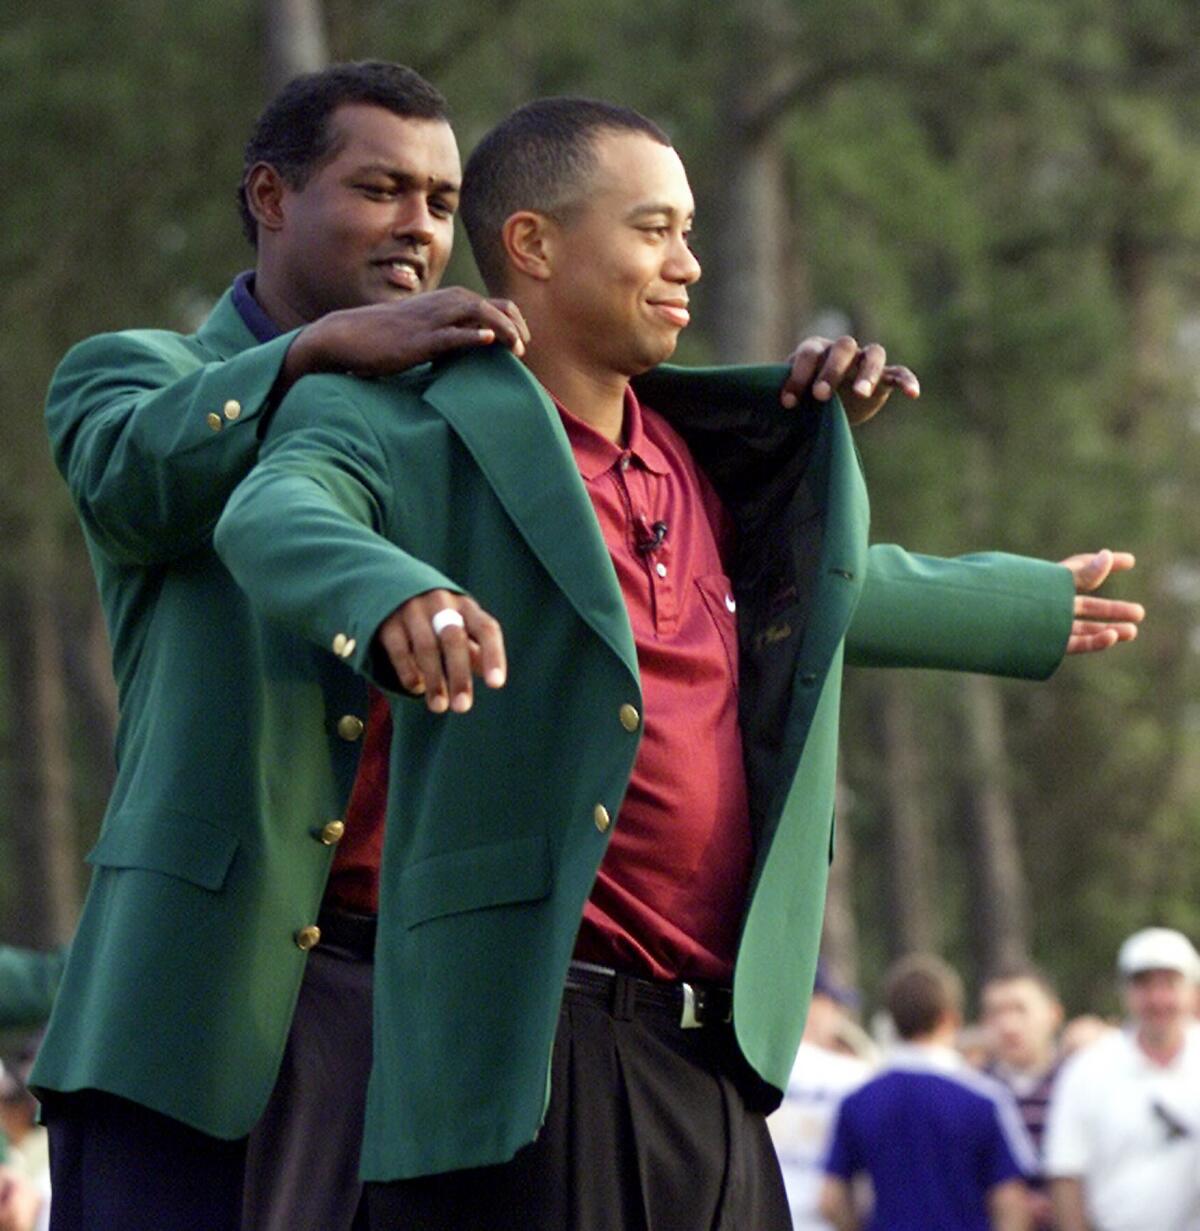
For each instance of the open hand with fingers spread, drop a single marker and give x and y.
(1100, 622)
(436, 642)
(860, 375)
(382, 338)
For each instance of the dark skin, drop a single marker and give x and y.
(355, 254)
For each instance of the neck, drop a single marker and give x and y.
(598, 398)
(942, 1035)
(268, 290)
(1036, 1067)
(1161, 1045)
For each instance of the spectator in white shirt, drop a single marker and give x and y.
(824, 1073)
(1122, 1141)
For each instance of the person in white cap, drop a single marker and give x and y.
(1123, 1140)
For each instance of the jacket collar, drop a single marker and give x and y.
(511, 428)
(224, 332)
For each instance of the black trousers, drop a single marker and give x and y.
(648, 1129)
(302, 1160)
(116, 1164)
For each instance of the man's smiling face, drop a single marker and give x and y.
(375, 222)
(622, 264)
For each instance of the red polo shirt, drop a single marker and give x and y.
(354, 878)
(669, 896)
(670, 893)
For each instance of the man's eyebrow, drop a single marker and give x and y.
(653, 208)
(407, 178)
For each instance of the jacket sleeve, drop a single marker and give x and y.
(992, 613)
(304, 534)
(151, 439)
(28, 983)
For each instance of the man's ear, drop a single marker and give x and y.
(265, 188)
(528, 239)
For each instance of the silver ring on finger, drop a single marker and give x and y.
(448, 617)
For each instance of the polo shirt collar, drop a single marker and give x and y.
(250, 310)
(595, 453)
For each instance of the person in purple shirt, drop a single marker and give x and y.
(943, 1146)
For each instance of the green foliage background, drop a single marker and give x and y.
(1005, 192)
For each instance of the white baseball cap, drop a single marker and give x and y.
(1159, 949)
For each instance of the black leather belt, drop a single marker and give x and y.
(348, 930)
(688, 1005)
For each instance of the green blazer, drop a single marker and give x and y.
(182, 978)
(369, 493)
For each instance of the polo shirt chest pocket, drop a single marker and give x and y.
(716, 591)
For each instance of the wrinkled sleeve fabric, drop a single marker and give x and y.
(152, 437)
(308, 535)
(992, 613)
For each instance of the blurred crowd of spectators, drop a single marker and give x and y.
(1019, 1121)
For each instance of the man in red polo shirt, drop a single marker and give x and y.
(490, 875)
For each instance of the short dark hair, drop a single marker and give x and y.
(921, 990)
(1028, 971)
(293, 135)
(539, 158)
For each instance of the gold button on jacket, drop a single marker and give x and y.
(629, 717)
(307, 938)
(601, 817)
(343, 646)
(232, 410)
(213, 420)
(350, 727)
(331, 834)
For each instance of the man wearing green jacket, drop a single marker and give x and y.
(638, 807)
(174, 1012)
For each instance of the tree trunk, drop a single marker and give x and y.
(913, 921)
(746, 267)
(751, 268)
(294, 32)
(999, 903)
(42, 829)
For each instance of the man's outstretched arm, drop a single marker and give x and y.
(993, 613)
(152, 437)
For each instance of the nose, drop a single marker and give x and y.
(682, 266)
(413, 221)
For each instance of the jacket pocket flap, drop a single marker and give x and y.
(171, 843)
(498, 875)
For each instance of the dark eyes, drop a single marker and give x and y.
(663, 231)
(439, 207)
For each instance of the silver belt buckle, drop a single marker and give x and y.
(688, 1019)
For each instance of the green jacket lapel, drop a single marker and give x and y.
(512, 430)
